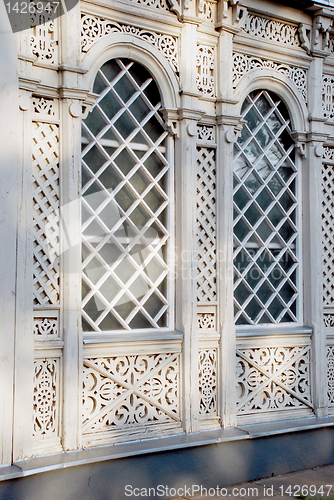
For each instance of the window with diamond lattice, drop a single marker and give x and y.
(126, 178)
(265, 215)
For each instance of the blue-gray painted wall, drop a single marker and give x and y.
(210, 466)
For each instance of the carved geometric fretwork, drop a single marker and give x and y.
(206, 134)
(271, 30)
(328, 96)
(46, 328)
(45, 154)
(206, 224)
(329, 320)
(328, 154)
(330, 375)
(46, 398)
(205, 63)
(273, 379)
(43, 42)
(206, 321)
(125, 392)
(44, 106)
(242, 64)
(207, 369)
(328, 234)
(94, 28)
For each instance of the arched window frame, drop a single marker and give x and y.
(169, 156)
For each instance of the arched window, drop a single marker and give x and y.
(125, 203)
(265, 214)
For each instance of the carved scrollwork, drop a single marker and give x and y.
(271, 30)
(206, 134)
(205, 63)
(206, 321)
(330, 374)
(94, 28)
(242, 64)
(46, 398)
(126, 391)
(329, 320)
(273, 378)
(46, 327)
(207, 367)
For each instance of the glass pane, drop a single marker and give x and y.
(119, 220)
(110, 105)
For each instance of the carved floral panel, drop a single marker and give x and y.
(128, 391)
(330, 375)
(207, 368)
(273, 379)
(46, 398)
(46, 328)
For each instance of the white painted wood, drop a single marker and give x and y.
(70, 322)
(9, 193)
(313, 284)
(24, 342)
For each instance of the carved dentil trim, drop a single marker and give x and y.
(94, 28)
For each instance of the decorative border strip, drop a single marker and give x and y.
(243, 64)
(94, 28)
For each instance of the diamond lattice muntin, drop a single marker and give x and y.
(265, 214)
(124, 203)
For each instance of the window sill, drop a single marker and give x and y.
(147, 335)
(259, 331)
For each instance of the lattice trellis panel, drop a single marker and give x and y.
(265, 214)
(45, 153)
(46, 398)
(273, 379)
(207, 368)
(328, 234)
(330, 375)
(206, 224)
(125, 392)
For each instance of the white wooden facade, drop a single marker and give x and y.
(178, 361)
